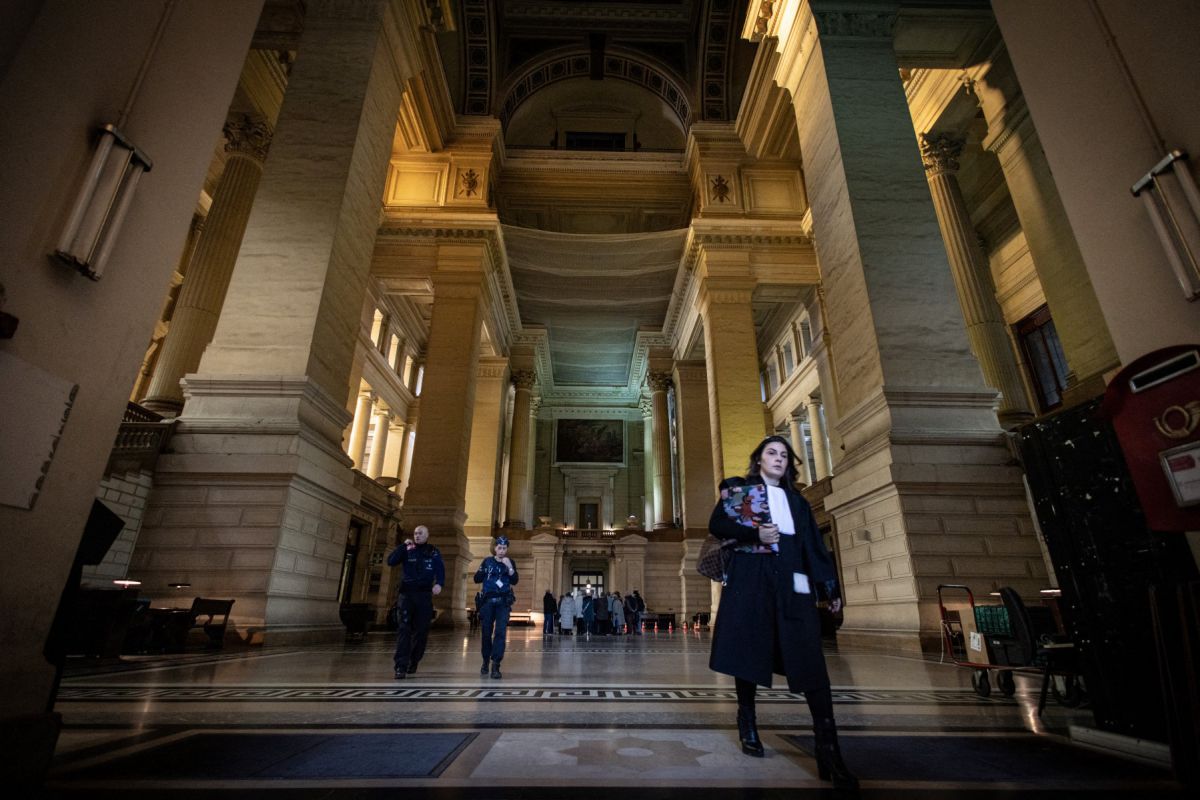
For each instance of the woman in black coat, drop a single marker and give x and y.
(767, 622)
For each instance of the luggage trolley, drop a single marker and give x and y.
(981, 649)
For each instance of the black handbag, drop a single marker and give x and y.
(713, 560)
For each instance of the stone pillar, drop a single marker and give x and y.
(487, 435)
(923, 488)
(255, 501)
(517, 514)
(664, 512)
(1078, 319)
(973, 280)
(195, 318)
(436, 494)
(699, 493)
(383, 419)
(731, 355)
(358, 428)
(410, 438)
(647, 409)
(797, 433)
(395, 452)
(816, 429)
(630, 566)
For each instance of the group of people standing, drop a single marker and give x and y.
(588, 613)
(767, 620)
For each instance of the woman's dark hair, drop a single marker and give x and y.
(790, 476)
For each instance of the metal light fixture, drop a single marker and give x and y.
(1176, 223)
(95, 220)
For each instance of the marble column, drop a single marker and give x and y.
(647, 409)
(379, 440)
(973, 279)
(698, 491)
(410, 438)
(735, 405)
(517, 513)
(436, 494)
(1080, 324)
(392, 462)
(357, 445)
(816, 430)
(484, 459)
(260, 491)
(664, 511)
(923, 487)
(207, 280)
(797, 434)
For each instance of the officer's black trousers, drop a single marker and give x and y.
(416, 612)
(493, 619)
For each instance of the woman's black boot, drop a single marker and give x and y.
(830, 766)
(748, 731)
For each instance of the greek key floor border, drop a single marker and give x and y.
(380, 693)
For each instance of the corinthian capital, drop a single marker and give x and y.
(249, 135)
(658, 381)
(940, 153)
(524, 378)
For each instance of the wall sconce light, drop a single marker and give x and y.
(1176, 223)
(99, 210)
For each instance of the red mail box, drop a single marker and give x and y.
(1154, 405)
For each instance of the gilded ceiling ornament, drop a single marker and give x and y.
(721, 190)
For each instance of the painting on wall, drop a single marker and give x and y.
(589, 441)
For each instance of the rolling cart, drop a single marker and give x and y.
(981, 643)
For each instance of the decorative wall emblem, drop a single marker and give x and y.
(470, 183)
(1178, 422)
(722, 192)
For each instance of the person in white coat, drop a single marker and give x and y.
(566, 613)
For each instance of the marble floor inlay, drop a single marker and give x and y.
(643, 713)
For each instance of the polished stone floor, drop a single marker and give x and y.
(642, 714)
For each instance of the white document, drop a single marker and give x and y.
(800, 583)
(976, 641)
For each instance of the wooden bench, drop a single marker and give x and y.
(170, 626)
(520, 618)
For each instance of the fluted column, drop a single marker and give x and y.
(647, 409)
(358, 429)
(972, 278)
(801, 451)
(383, 418)
(246, 140)
(517, 511)
(816, 429)
(659, 382)
(1078, 320)
(395, 452)
(410, 437)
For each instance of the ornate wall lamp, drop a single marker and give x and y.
(103, 200)
(1176, 221)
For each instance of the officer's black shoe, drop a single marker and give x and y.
(484, 669)
(496, 670)
(399, 674)
(412, 668)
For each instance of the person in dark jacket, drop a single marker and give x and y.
(767, 621)
(498, 574)
(424, 576)
(549, 609)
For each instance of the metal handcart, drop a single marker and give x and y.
(980, 646)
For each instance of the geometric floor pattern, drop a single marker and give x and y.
(641, 714)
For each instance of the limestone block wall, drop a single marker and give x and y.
(125, 494)
(662, 591)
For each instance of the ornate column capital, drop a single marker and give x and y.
(524, 378)
(247, 135)
(658, 381)
(646, 406)
(864, 24)
(940, 152)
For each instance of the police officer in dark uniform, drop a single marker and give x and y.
(424, 575)
(498, 574)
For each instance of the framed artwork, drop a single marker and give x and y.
(589, 441)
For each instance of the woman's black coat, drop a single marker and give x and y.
(763, 626)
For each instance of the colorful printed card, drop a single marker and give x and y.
(747, 505)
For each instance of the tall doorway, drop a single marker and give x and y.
(584, 580)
